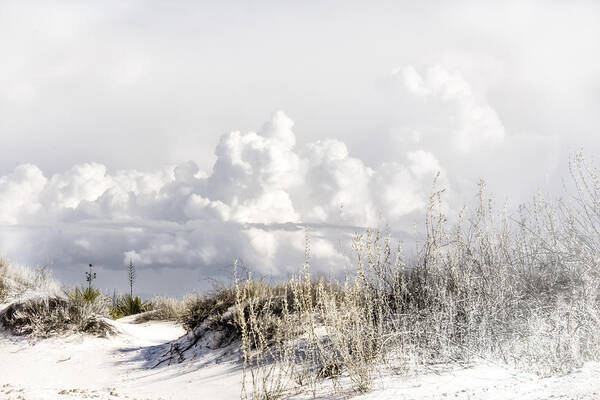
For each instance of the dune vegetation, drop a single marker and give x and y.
(519, 288)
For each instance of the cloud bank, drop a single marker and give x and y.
(263, 191)
(252, 205)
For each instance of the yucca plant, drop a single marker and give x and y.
(124, 305)
(87, 295)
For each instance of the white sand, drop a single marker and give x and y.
(490, 382)
(118, 367)
(78, 366)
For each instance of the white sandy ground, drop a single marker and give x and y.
(78, 367)
(81, 366)
(491, 382)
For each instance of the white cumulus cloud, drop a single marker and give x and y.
(262, 190)
(454, 108)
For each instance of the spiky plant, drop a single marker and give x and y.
(131, 275)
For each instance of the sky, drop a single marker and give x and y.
(184, 135)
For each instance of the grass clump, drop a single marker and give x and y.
(126, 305)
(163, 309)
(3, 280)
(88, 295)
(45, 316)
(521, 289)
(197, 309)
(40, 308)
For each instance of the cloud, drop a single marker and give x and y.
(265, 189)
(107, 109)
(252, 205)
(437, 119)
(255, 171)
(467, 120)
(19, 193)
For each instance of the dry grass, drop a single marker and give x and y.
(168, 309)
(39, 307)
(3, 280)
(44, 316)
(521, 289)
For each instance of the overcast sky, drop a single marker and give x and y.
(182, 135)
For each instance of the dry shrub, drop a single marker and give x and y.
(39, 307)
(522, 289)
(190, 312)
(3, 280)
(45, 316)
(18, 280)
(162, 309)
(198, 308)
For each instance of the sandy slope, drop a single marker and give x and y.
(78, 367)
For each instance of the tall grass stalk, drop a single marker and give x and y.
(519, 288)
